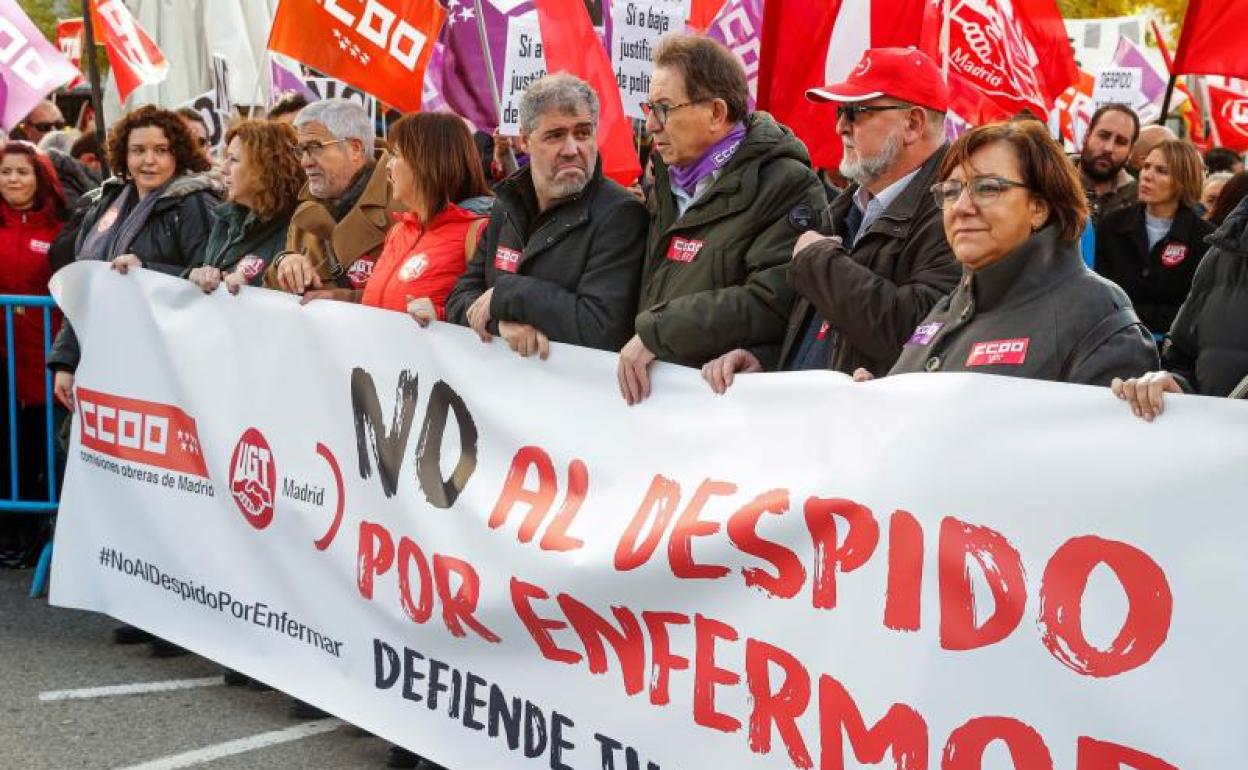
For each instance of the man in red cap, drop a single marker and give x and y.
(878, 261)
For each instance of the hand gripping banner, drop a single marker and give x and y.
(496, 563)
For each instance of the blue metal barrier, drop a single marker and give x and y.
(15, 503)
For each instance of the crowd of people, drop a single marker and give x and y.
(1124, 266)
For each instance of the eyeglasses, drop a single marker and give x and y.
(660, 111)
(983, 189)
(46, 126)
(314, 149)
(850, 112)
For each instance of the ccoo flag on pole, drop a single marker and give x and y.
(30, 66)
(381, 53)
(135, 58)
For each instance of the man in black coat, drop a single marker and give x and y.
(561, 257)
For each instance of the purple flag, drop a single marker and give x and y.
(739, 26)
(1152, 84)
(463, 85)
(35, 67)
(283, 81)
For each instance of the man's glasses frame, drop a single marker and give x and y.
(850, 112)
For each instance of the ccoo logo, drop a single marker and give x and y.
(253, 478)
(1235, 112)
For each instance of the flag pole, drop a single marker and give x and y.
(1165, 103)
(489, 68)
(93, 74)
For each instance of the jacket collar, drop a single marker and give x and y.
(520, 199)
(372, 203)
(1030, 269)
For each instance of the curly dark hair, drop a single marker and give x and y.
(272, 164)
(187, 157)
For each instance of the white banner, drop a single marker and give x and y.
(495, 562)
(1119, 85)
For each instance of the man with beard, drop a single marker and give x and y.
(879, 259)
(1111, 135)
(561, 256)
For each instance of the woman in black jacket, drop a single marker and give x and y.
(155, 213)
(1206, 351)
(1152, 249)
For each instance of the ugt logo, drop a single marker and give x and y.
(1236, 113)
(253, 478)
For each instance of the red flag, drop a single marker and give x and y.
(1210, 43)
(809, 43)
(135, 58)
(69, 40)
(572, 46)
(380, 50)
(1229, 111)
(1003, 57)
(703, 12)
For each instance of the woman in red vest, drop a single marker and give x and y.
(436, 175)
(32, 213)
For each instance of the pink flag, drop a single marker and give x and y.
(30, 66)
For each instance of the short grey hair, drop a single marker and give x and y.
(562, 93)
(343, 118)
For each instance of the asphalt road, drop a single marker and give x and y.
(48, 651)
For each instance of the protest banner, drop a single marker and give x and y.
(496, 563)
(636, 30)
(30, 66)
(379, 46)
(524, 62)
(1119, 85)
(217, 106)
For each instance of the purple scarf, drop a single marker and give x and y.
(715, 158)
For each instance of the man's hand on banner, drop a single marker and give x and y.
(862, 375)
(479, 315)
(633, 372)
(63, 388)
(720, 372)
(809, 237)
(421, 309)
(295, 273)
(524, 339)
(123, 263)
(207, 278)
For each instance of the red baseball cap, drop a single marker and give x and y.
(906, 74)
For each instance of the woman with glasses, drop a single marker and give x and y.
(1152, 249)
(262, 182)
(1026, 306)
(156, 213)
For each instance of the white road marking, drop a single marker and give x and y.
(240, 746)
(130, 689)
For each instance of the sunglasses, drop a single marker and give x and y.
(850, 112)
(46, 126)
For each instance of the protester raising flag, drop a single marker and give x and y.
(135, 58)
(1211, 43)
(573, 46)
(810, 42)
(30, 66)
(384, 55)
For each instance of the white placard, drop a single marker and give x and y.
(523, 64)
(1119, 85)
(636, 28)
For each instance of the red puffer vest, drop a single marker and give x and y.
(419, 262)
(24, 240)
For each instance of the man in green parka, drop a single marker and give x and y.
(732, 193)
